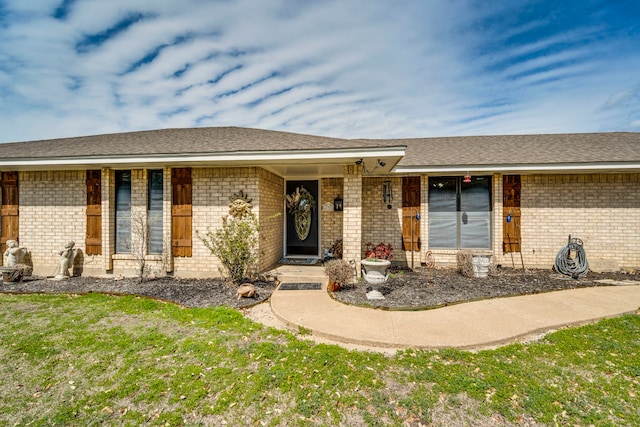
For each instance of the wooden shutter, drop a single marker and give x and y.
(181, 212)
(9, 210)
(410, 207)
(511, 213)
(93, 240)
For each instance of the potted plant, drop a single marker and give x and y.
(379, 251)
(340, 273)
(376, 265)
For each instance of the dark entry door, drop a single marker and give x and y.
(299, 241)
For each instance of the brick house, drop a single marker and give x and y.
(489, 194)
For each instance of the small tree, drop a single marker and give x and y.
(235, 244)
(138, 243)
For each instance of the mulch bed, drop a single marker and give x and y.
(405, 290)
(441, 287)
(187, 292)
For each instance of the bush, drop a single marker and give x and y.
(465, 263)
(236, 246)
(339, 271)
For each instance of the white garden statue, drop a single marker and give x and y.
(13, 254)
(65, 261)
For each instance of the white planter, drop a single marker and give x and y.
(375, 271)
(480, 264)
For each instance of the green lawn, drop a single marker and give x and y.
(95, 359)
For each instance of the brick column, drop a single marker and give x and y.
(424, 216)
(352, 215)
(496, 226)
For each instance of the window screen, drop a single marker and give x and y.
(123, 211)
(154, 209)
(459, 213)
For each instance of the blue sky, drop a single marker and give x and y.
(344, 68)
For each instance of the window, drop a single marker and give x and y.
(460, 213)
(154, 209)
(123, 212)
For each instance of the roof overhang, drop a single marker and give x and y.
(286, 163)
(547, 168)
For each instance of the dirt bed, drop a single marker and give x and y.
(405, 290)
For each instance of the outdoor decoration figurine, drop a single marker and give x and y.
(12, 269)
(13, 254)
(66, 260)
(300, 204)
(240, 206)
(246, 290)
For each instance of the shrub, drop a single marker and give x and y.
(339, 272)
(236, 246)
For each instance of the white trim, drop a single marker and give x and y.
(298, 156)
(573, 167)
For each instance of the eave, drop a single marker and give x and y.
(524, 169)
(286, 163)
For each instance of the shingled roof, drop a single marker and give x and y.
(441, 153)
(176, 141)
(617, 147)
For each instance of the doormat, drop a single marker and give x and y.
(299, 261)
(313, 286)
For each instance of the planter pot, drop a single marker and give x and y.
(334, 286)
(11, 274)
(480, 264)
(375, 271)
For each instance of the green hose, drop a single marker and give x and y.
(574, 267)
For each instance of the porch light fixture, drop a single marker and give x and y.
(359, 162)
(387, 193)
(467, 178)
(337, 203)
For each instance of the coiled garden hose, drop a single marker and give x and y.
(576, 266)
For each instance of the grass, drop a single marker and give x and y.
(96, 359)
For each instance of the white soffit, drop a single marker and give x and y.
(391, 155)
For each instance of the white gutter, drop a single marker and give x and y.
(403, 170)
(299, 156)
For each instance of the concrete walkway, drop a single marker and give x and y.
(471, 325)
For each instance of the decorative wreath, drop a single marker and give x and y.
(300, 204)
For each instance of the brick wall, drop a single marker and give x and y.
(381, 224)
(53, 212)
(601, 209)
(330, 221)
(270, 208)
(211, 189)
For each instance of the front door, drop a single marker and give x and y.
(302, 218)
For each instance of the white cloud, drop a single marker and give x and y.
(352, 69)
